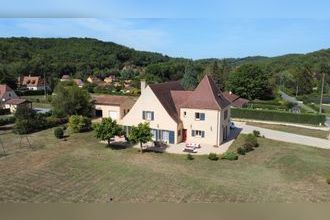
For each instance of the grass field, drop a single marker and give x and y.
(292, 129)
(83, 170)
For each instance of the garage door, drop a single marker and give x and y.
(113, 115)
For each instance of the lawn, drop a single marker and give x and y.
(293, 129)
(83, 170)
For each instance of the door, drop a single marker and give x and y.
(184, 135)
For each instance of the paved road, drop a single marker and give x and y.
(284, 136)
(292, 99)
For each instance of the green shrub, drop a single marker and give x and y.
(256, 133)
(251, 140)
(213, 156)
(271, 115)
(328, 180)
(190, 157)
(230, 156)
(241, 150)
(248, 148)
(7, 120)
(79, 123)
(59, 133)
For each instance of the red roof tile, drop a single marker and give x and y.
(16, 101)
(3, 89)
(111, 99)
(206, 96)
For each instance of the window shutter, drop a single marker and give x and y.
(152, 116)
(203, 134)
(143, 115)
(202, 115)
(193, 133)
(171, 137)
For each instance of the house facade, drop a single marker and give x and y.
(111, 106)
(175, 115)
(13, 104)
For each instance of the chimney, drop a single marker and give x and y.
(143, 85)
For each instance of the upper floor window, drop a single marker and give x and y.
(225, 114)
(148, 115)
(184, 114)
(199, 116)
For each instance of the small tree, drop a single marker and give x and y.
(79, 123)
(25, 120)
(107, 129)
(141, 133)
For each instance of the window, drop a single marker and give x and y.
(148, 115)
(184, 114)
(199, 116)
(225, 114)
(197, 133)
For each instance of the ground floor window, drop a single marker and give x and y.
(198, 133)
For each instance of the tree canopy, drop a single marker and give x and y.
(250, 81)
(140, 134)
(107, 129)
(68, 99)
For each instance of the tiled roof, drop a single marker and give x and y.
(65, 77)
(16, 101)
(173, 97)
(32, 81)
(79, 82)
(206, 96)
(235, 100)
(111, 99)
(163, 93)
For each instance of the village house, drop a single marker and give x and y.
(235, 100)
(13, 104)
(9, 99)
(110, 79)
(93, 80)
(115, 107)
(6, 93)
(78, 82)
(31, 82)
(201, 116)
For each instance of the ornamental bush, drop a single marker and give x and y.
(59, 133)
(190, 157)
(241, 150)
(251, 141)
(213, 156)
(230, 156)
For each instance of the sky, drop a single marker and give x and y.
(191, 29)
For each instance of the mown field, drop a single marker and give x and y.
(83, 170)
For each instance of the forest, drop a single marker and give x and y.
(81, 57)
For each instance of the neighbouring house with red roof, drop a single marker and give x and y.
(31, 82)
(175, 115)
(235, 100)
(6, 93)
(9, 99)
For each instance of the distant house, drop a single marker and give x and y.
(235, 100)
(6, 93)
(109, 79)
(13, 104)
(65, 78)
(31, 82)
(93, 80)
(115, 107)
(79, 82)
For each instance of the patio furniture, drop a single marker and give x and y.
(189, 150)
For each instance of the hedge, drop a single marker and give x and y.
(7, 120)
(31, 92)
(5, 111)
(271, 115)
